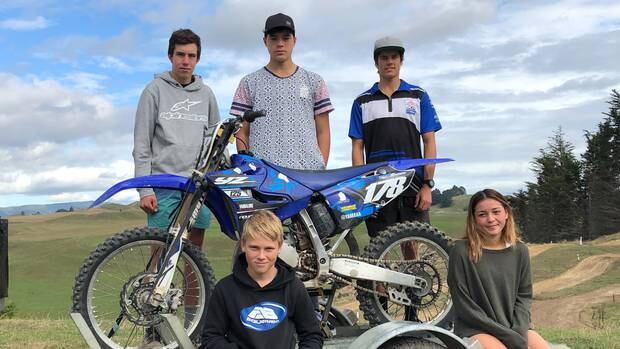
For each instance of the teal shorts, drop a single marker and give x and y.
(167, 201)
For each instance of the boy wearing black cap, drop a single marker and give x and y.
(295, 133)
(387, 122)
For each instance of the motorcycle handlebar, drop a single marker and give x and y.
(251, 115)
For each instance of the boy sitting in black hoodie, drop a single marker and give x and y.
(262, 304)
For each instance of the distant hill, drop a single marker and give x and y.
(28, 210)
(458, 205)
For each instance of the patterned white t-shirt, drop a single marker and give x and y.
(287, 135)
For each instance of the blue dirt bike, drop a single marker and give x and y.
(133, 277)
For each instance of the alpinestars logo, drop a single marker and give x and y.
(176, 112)
(263, 316)
(185, 105)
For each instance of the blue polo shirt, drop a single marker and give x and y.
(391, 126)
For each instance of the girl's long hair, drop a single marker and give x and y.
(475, 236)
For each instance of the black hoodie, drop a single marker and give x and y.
(241, 314)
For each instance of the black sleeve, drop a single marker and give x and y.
(469, 311)
(306, 324)
(521, 317)
(217, 323)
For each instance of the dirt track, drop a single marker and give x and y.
(538, 249)
(587, 269)
(572, 312)
(610, 243)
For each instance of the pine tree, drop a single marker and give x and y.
(519, 202)
(554, 210)
(436, 196)
(601, 177)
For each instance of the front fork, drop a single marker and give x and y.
(185, 218)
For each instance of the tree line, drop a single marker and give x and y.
(444, 199)
(574, 197)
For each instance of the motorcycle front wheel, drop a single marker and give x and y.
(413, 248)
(114, 283)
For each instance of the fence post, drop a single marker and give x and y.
(4, 261)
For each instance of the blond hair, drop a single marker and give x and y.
(474, 236)
(263, 224)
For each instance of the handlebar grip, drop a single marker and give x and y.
(251, 115)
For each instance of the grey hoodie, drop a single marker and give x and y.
(169, 124)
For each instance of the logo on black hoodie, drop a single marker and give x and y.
(263, 316)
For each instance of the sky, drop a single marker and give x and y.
(503, 76)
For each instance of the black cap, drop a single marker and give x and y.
(279, 21)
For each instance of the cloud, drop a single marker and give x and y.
(547, 21)
(109, 62)
(61, 139)
(25, 24)
(321, 26)
(65, 179)
(596, 52)
(87, 82)
(79, 49)
(35, 110)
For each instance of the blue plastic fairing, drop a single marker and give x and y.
(224, 210)
(164, 181)
(279, 184)
(407, 164)
(289, 210)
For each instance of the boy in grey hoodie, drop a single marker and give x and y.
(171, 114)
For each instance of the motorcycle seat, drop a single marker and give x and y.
(317, 180)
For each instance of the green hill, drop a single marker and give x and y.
(451, 220)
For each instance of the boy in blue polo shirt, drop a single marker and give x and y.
(387, 122)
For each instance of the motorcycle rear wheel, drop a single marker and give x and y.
(431, 306)
(121, 269)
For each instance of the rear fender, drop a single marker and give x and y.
(408, 164)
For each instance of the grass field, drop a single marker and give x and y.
(46, 253)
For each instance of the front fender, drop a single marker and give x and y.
(217, 201)
(163, 181)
